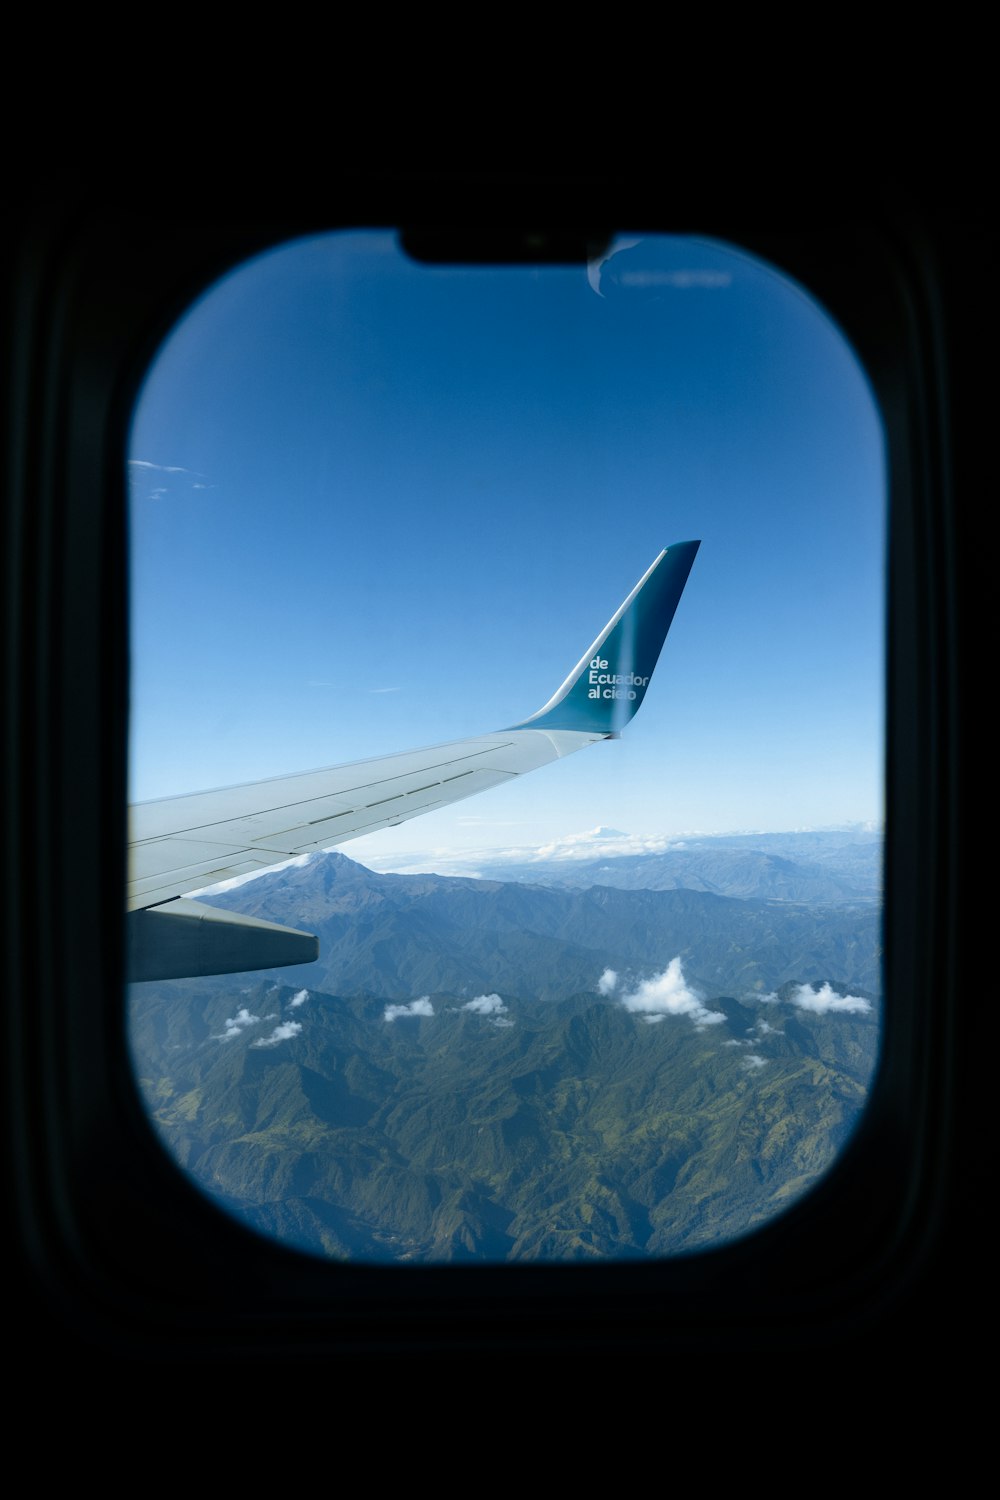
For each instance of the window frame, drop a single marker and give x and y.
(116, 1244)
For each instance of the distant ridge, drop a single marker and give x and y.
(401, 933)
(817, 866)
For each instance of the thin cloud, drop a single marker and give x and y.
(682, 279)
(299, 999)
(144, 463)
(627, 274)
(281, 1033)
(607, 982)
(669, 994)
(421, 1007)
(594, 843)
(824, 1000)
(142, 468)
(322, 682)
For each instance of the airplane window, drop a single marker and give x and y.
(617, 1004)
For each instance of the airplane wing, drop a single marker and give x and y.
(180, 844)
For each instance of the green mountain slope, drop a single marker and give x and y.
(548, 1121)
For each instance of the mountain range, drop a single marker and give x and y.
(485, 1070)
(818, 867)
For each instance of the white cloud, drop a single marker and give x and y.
(825, 999)
(280, 1033)
(595, 843)
(764, 1028)
(421, 1007)
(485, 1005)
(754, 1060)
(668, 994)
(143, 463)
(598, 843)
(607, 982)
(235, 1024)
(299, 999)
(142, 471)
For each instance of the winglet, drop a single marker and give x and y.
(606, 687)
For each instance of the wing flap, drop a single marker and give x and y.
(184, 938)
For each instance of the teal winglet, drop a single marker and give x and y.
(605, 689)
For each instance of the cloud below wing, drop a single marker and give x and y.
(669, 994)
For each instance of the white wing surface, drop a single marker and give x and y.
(184, 843)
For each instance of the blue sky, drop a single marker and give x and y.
(376, 505)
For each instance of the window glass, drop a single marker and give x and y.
(627, 1005)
